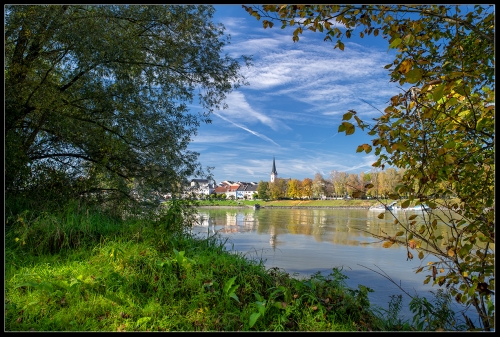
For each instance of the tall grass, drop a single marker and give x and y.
(79, 269)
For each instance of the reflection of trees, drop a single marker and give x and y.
(232, 221)
(351, 227)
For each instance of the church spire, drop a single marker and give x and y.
(274, 173)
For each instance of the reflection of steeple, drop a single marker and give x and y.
(274, 173)
(272, 240)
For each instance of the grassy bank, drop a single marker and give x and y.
(80, 270)
(292, 203)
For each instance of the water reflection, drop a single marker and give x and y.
(304, 241)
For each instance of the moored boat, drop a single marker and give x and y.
(421, 207)
(382, 207)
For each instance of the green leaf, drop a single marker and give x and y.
(395, 43)
(414, 75)
(405, 204)
(449, 145)
(233, 295)
(228, 284)
(438, 92)
(253, 318)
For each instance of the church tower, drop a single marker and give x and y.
(274, 174)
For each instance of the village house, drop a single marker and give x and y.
(233, 190)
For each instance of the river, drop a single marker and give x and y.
(305, 241)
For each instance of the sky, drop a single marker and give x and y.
(294, 103)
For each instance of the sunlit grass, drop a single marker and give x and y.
(290, 203)
(80, 270)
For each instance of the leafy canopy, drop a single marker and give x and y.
(439, 130)
(97, 96)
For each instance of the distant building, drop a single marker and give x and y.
(201, 187)
(246, 191)
(274, 173)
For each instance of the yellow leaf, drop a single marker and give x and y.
(347, 116)
(387, 244)
(441, 270)
(349, 129)
(465, 274)
(405, 66)
(451, 252)
(400, 233)
(420, 255)
(411, 217)
(380, 216)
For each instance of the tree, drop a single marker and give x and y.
(278, 189)
(319, 186)
(374, 191)
(263, 190)
(294, 186)
(339, 180)
(439, 129)
(306, 188)
(354, 185)
(96, 96)
(329, 189)
(388, 180)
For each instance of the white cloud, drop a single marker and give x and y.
(293, 106)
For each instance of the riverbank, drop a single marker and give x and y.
(344, 203)
(81, 270)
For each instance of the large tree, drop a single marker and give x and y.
(339, 180)
(97, 96)
(439, 129)
(319, 186)
(263, 190)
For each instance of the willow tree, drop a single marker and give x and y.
(439, 129)
(97, 97)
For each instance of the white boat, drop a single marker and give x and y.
(382, 207)
(421, 207)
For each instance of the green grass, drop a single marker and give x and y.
(307, 203)
(80, 270)
(289, 203)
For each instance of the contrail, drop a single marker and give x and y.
(247, 129)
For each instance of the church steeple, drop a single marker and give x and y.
(274, 173)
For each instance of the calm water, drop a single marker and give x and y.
(305, 241)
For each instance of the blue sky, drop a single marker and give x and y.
(294, 104)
